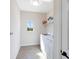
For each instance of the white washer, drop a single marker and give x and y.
(46, 45)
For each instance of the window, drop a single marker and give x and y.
(29, 26)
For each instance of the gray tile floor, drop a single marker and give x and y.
(30, 52)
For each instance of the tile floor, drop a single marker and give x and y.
(30, 52)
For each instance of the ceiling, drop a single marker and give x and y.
(26, 5)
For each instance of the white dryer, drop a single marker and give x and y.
(46, 45)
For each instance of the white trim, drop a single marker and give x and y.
(29, 44)
(18, 51)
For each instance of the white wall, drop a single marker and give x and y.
(31, 38)
(50, 26)
(15, 29)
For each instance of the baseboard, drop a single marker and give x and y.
(30, 44)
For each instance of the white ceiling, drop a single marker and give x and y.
(26, 5)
